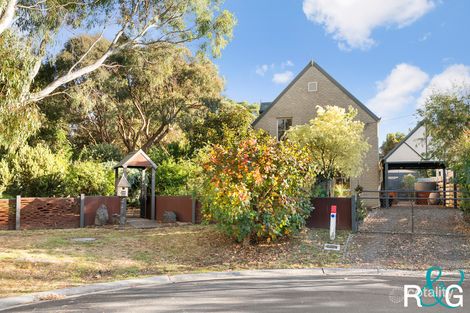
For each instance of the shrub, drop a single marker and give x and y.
(90, 178)
(37, 171)
(175, 178)
(256, 187)
(409, 181)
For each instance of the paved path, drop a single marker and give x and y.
(273, 293)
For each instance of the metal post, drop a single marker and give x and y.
(82, 210)
(354, 213)
(152, 207)
(386, 185)
(18, 212)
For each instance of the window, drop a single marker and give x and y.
(312, 86)
(283, 124)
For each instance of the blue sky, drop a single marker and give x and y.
(389, 54)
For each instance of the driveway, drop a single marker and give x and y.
(291, 293)
(418, 219)
(392, 238)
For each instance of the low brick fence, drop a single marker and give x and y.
(186, 208)
(320, 217)
(39, 213)
(92, 203)
(49, 213)
(7, 214)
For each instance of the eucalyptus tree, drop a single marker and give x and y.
(28, 28)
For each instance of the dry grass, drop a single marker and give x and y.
(33, 261)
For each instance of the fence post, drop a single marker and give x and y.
(82, 210)
(354, 213)
(18, 212)
(122, 215)
(193, 208)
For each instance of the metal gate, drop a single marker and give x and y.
(413, 212)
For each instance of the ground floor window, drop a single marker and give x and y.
(283, 124)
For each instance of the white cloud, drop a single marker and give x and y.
(288, 63)
(454, 76)
(351, 22)
(262, 69)
(283, 77)
(397, 90)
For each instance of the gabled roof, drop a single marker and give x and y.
(334, 81)
(123, 182)
(412, 150)
(137, 159)
(402, 141)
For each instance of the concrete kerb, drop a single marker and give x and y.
(9, 303)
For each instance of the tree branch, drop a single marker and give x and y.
(6, 17)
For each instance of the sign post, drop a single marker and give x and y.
(333, 222)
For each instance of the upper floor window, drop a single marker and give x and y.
(312, 86)
(283, 124)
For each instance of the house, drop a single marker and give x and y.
(297, 105)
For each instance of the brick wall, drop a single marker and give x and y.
(92, 204)
(181, 205)
(49, 213)
(7, 214)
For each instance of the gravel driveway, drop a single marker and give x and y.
(385, 238)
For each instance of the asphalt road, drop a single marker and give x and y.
(293, 293)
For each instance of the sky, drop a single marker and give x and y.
(390, 54)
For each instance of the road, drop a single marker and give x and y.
(287, 293)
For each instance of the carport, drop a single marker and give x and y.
(412, 154)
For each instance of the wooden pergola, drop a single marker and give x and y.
(139, 159)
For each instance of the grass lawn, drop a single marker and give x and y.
(40, 260)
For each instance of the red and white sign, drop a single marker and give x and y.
(333, 222)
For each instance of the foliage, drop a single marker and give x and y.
(5, 176)
(136, 103)
(334, 140)
(90, 178)
(17, 121)
(37, 171)
(342, 190)
(175, 177)
(461, 167)
(319, 191)
(221, 121)
(102, 152)
(390, 142)
(409, 181)
(138, 25)
(446, 117)
(256, 188)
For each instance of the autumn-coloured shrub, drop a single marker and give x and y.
(257, 188)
